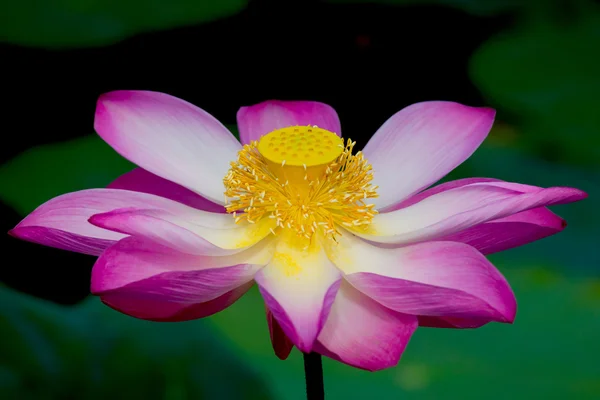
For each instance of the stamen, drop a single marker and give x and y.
(325, 184)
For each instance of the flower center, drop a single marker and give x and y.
(304, 178)
(301, 145)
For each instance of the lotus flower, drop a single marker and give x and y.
(350, 250)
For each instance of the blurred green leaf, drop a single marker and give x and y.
(77, 23)
(92, 352)
(46, 171)
(545, 73)
(477, 7)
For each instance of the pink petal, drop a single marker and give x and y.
(421, 143)
(168, 137)
(364, 334)
(512, 231)
(503, 233)
(140, 180)
(458, 209)
(149, 281)
(298, 287)
(133, 261)
(260, 119)
(281, 344)
(63, 240)
(442, 279)
(62, 222)
(186, 229)
(165, 311)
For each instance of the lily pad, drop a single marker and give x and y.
(75, 23)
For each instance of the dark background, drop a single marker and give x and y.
(536, 63)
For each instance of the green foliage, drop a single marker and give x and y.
(92, 352)
(544, 74)
(77, 23)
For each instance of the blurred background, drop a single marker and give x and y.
(537, 62)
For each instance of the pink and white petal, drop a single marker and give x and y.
(499, 234)
(298, 288)
(149, 225)
(166, 311)
(62, 222)
(260, 119)
(149, 281)
(186, 230)
(61, 239)
(362, 333)
(137, 263)
(442, 187)
(280, 342)
(422, 143)
(443, 279)
(140, 180)
(455, 210)
(168, 137)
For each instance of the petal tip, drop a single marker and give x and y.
(570, 194)
(485, 115)
(257, 107)
(508, 315)
(102, 220)
(582, 194)
(115, 96)
(110, 220)
(259, 119)
(489, 113)
(103, 119)
(282, 356)
(13, 232)
(97, 219)
(23, 232)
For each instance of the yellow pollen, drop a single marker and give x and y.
(313, 187)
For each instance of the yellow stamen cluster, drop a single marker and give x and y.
(323, 184)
